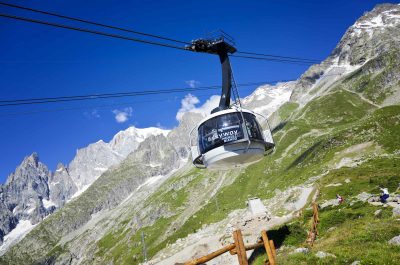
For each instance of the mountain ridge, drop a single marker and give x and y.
(62, 185)
(336, 128)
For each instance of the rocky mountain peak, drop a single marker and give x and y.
(32, 159)
(28, 167)
(23, 194)
(374, 34)
(60, 167)
(369, 36)
(92, 161)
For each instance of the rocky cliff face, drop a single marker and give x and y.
(371, 45)
(32, 192)
(23, 194)
(90, 162)
(61, 186)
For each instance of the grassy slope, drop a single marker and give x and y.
(351, 231)
(341, 114)
(306, 146)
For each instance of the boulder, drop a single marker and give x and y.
(333, 202)
(396, 211)
(377, 212)
(395, 241)
(321, 255)
(364, 196)
(300, 250)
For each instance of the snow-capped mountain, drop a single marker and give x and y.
(33, 192)
(90, 162)
(267, 99)
(372, 36)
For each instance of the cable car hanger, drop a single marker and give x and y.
(230, 136)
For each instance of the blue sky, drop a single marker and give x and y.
(40, 61)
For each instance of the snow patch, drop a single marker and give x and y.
(271, 97)
(23, 227)
(150, 181)
(30, 210)
(100, 168)
(79, 192)
(384, 20)
(48, 203)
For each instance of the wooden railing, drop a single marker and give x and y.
(312, 234)
(239, 248)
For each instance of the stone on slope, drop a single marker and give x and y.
(395, 241)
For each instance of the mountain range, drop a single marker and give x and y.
(336, 129)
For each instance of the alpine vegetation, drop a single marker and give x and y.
(139, 200)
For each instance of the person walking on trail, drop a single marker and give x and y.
(339, 198)
(384, 194)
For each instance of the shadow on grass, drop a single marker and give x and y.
(279, 127)
(305, 155)
(278, 236)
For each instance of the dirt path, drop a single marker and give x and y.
(362, 97)
(214, 236)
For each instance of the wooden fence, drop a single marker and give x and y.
(312, 234)
(239, 249)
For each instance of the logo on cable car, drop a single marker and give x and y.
(229, 136)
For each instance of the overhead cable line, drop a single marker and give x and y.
(90, 107)
(258, 56)
(91, 22)
(273, 60)
(280, 57)
(142, 33)
(90, 31)
(44, 100)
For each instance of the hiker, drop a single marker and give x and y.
(384, 194)
(339, 198)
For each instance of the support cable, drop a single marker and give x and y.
(90, 22)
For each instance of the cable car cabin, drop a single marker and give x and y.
(230, 138)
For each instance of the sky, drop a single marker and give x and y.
(41, 61)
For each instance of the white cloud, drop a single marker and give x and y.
(189, 102)
(123, 115)
(192, 83)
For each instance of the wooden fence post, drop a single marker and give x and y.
(273, 250)
(240, 249)
(211, 255)
(267, 246)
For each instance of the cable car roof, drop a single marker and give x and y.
(222, 112)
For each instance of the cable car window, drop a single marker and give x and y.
(220, 130)
(254, 128)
